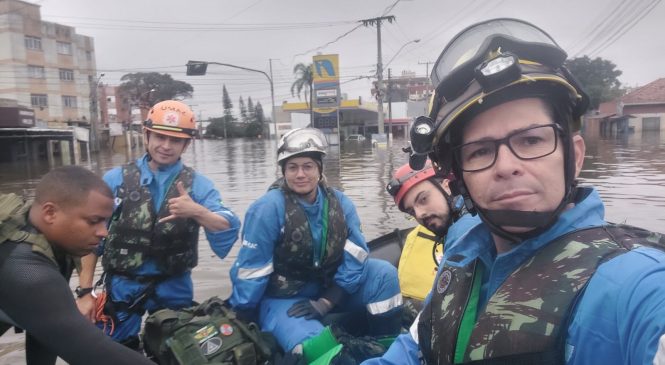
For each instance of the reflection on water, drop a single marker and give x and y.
(629, 173)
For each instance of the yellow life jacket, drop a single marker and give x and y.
(417, 269)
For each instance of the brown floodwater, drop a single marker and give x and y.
(628, 171)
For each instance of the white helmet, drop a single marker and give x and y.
(300, 141)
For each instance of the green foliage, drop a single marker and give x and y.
(144, 89)
(304, 79)
(243, 111)
(599, 78)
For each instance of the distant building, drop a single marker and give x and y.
(641, 109)
(46, 66)
(407, 87)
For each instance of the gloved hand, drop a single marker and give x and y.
(310, 309)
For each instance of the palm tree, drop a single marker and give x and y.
(303, 84)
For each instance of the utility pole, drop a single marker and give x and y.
(94, 132)
(272, 99)
(390, 106)
(429, 83)
(379, 65)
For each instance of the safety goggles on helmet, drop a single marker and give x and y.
(464, 58)
(526, 144)
(298, 141)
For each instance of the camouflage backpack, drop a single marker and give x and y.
(208, 333)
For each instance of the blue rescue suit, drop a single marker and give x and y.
(176, 291)
(618, 319)
(372, 284)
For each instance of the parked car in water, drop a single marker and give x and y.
(355, 137)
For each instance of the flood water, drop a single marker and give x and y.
(628, 171)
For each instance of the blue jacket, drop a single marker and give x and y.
(264, 224)
(203, 192)
(620, 316)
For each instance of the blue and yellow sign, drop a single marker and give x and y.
(325, 68)
(325, 81)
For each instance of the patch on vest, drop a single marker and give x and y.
(211, 346)
(296, 236)
(444, 281)
(135, 196)
(205, 333)
(226, 329)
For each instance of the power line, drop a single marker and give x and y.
(621, 31)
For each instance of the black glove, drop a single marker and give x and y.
(247, 315)
(310, 309)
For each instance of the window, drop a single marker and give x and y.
(40, 100)
(34, 43)
(36, 72)
(69, 101)
(66, 75)
(64, 48)
(88, 55)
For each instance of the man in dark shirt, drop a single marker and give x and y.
(38, 243)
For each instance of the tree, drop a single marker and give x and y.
(228, 117)
(303, 84)
(250, 109)
(257, 126)
(243, 111)
(598, 77)
(144, 89)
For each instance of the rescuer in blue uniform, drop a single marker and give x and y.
(544, 279)
(303, 254)
(153, 236)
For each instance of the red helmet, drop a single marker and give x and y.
(405, 178)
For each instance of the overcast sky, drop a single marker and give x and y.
(142, 36)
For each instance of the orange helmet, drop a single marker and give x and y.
(405, 178)
(171, 118)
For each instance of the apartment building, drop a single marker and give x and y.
(46, 66)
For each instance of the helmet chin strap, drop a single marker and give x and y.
(539, 221)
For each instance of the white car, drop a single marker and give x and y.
(355, 137)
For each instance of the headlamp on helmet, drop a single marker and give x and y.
(422, 134)
(498, 71)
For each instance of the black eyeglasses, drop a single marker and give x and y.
(527, 144)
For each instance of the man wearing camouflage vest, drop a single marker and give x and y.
(153, 235)
(303, 254)
(40, 241)
(544, 279)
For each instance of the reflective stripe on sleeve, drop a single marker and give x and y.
(356, 251)
(385, 305)
(659, 359)
(255, 273)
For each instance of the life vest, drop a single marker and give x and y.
(294, 258)
(417, 268)
(136, 235)
(13, 220)
(209, 333)
(526, 319)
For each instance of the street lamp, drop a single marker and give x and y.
(199, 68)
(390, 97)
(400, 50)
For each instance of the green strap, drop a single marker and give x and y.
(322, 347)
(324, 234)
(469, 316)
